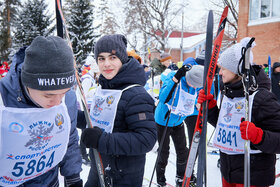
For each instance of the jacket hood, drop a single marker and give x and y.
(130, 73)
(12, 81)
(13, 76)
(275, 65)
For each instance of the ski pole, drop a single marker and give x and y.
(246, 84)
(269, 67)
(97, 156)
(164, 134)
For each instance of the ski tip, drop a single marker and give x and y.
(225, 10)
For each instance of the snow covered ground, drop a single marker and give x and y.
(213, 172)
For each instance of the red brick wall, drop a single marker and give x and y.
(267, 35)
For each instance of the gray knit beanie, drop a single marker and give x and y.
(200, 58)
(195, 76)
(48, 64)
(231, 56)
(165, 56)
(115, 44)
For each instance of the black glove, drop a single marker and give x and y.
(182, 72)
(73, 181)
(77, 184)
(90, 137)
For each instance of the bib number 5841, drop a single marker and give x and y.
(227, 137)
(32, 166)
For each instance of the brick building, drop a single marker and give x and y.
(193, 43)
(261, 19)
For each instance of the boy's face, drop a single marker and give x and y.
(48, 98)
(109, 65)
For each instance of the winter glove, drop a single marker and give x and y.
(202, 97)
(77, 184)
(90, 137)
(74, 181)
(182, 72)
(250, 132)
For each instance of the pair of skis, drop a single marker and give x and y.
(199, 137)
(62, 24)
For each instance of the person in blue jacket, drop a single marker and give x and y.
(122, 113)
(191, 119)
(184, 86)
(38, 117)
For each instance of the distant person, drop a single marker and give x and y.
(159, 65)
(147, 71)
(135, 55)
(89, 83)
(200, 58)
(173, 66)
(275, 80)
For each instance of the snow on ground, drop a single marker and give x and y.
(213, 172)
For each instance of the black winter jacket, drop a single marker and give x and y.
(134, 132)
(265, 115)
(275, 81)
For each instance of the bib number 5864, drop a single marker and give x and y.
(32, 166)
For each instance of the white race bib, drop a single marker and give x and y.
(33, 141)
(186, 103)
(228, 136)
(104, 107)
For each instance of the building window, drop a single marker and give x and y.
(264, 9)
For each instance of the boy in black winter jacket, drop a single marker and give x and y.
(263, 130)
(122, 113)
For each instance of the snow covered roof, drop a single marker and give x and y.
(189, 43)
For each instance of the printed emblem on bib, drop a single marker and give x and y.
(15, 127)
(189, 103)
(228, 115)
(110, 100)
(239, 106)
(97, 106)
(39, 135)
(59, 120)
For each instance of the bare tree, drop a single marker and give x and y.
(154, 20)
(232, 20)
(109, 24)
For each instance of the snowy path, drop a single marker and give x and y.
(213, 172)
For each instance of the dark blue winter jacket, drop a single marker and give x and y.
(13, 96)
(134, 132)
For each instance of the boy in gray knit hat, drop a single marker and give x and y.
(39, 108)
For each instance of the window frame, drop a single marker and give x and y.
(260, 20)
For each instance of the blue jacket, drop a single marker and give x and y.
(134, 132)
(162, 109)
(13, 96)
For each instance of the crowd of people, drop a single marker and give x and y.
(131, 106)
